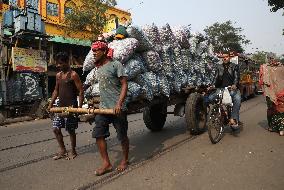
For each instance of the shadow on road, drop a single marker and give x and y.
(147, 144)
(263, 124)
(143, 144)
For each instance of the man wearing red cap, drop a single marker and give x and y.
(113, 90)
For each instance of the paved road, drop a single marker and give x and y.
(170, 159)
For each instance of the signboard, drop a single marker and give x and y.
(111, 25)
(29, 60)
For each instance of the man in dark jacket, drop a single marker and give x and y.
(228, 74)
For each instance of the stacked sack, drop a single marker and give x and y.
(159, 61)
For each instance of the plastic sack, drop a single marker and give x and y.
(144, 42)
(153, 61)
(152, 33)
(89, 62)
(134, 67)
(92, 77)
(227, 99)
(123, 49)
(93, 91)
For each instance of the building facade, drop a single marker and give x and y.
(53, 11)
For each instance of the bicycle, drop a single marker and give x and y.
(219, 117)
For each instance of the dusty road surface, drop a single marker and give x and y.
(170, 159)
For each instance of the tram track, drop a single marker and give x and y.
(97, 184)
(81, 150)
(111, 141)
(40, 141)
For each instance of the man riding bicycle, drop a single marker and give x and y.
(228, 74)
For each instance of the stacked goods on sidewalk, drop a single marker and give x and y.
(158, 61)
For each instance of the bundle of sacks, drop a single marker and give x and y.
(158, 61)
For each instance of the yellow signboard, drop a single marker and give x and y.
(29, 60)
(111, 25)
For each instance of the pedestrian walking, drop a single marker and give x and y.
(113, 89)
(271, 79)
(68, 86)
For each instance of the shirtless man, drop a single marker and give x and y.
(68, 85)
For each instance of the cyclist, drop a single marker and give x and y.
(228, 74)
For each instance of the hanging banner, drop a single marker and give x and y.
(29, 60)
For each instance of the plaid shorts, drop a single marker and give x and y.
(69, 123)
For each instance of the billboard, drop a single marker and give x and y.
(29, 60)
(111, 25)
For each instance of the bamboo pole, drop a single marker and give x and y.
(82, 110)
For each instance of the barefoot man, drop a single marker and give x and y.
(68, 85)
(113, 89)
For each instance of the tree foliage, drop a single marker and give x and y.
(226, 38)
(88, 15)
(259, 57)
(276, 5)
(282, 59)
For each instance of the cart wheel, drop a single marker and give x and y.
(155, 117)
(2, 118)
(195, 114)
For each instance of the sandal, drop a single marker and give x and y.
(234, 126)
(60, 156)
(72, 156)
(103, 171)
(121, 168)
(271, 129)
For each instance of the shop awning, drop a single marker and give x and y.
(74, 41)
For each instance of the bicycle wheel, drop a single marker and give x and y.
(215, 125)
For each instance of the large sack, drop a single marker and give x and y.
(153, 61)
(123, 49)
(167, 37)
(92, 77)
(182, 34)
(138, 34)
(134, 67)
(135, 92)
(92, 91)
(89, 62)
(152, 33)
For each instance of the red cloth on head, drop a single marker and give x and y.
(99, 45)
(110, 53)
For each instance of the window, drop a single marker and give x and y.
(112, 16)
(67, 10)
(52, 9)
(123, 20)
(69, 5)
(31, 3)
(5, 2)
